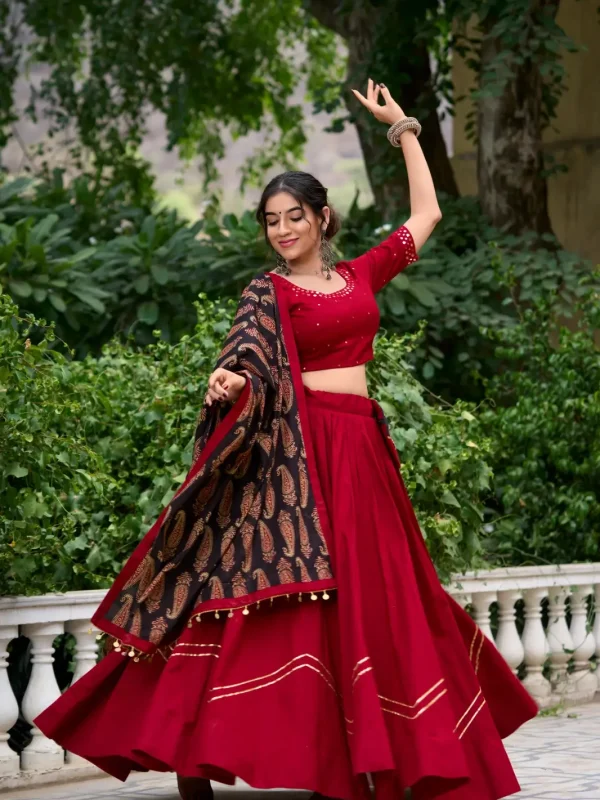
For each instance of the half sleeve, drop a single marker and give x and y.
(384, 261)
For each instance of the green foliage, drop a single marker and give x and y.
(545, 432)
(45, 465)
(444, 455)
(125, 423)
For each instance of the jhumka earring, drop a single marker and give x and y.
(282, 267)
(327, 256)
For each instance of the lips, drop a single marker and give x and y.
(288, 242)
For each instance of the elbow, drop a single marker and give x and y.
(436, 217)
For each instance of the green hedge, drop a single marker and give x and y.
(92, 450)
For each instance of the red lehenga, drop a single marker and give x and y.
(375, 671)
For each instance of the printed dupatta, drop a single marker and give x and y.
(248, 523)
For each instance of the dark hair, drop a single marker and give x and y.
(304, 188)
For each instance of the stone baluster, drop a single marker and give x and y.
(86, 656)
(584, 682)
(9, 709)
(596, 628)
(463, 599)
(535, 646)
(481, 603)
(508, 640)
(42, 690)
(559, 639)
(86, 653)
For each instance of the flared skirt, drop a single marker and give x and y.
(388, 678)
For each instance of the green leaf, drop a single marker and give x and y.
(82, 255)
(89, 300)
(160, 274)
(16, 470)
(29, 506)
(57, 301)
(449, 498)
(422, 294)
(148, 312)
(142, 284)
(20, 288)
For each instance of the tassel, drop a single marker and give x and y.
(313, 596)
(245, 612)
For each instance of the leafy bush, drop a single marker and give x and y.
(44, 463)
(127, 420)
(545, 435)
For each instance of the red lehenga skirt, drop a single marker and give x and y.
(389, 677)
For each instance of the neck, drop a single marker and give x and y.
(309, 264)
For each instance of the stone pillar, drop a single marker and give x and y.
(535, 647)
(482, 602)
(559, 639)
(42, 690)
(508, 641)
(9, 709)
(86, 656)
(583, 681)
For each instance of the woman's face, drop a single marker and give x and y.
(294, 230)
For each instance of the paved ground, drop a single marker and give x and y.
(555, 757)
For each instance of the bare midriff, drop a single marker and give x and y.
(348, 380)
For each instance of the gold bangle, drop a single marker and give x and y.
(398, 128)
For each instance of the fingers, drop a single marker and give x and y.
(385, 93)
(371, 101)
(370, 91)
(362, 99)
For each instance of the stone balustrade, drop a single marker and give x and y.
(556, 660)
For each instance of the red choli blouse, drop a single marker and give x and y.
(337, 329)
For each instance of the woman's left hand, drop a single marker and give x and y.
(390, 112)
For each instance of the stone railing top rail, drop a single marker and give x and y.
(523, 578)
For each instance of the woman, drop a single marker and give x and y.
(282, 621)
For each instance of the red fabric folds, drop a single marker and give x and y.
(388, 677)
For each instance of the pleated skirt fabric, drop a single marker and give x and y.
(389, 678)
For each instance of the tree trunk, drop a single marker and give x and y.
(510, 162)
(383, 163)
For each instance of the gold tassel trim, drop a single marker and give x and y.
(246, 609)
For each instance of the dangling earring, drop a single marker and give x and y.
(327, 257)
(282, 267)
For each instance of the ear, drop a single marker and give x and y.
(326, 215)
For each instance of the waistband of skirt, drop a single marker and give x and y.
(341, 402)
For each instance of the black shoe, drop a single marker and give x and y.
(194, 788)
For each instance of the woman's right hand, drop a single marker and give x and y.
(224, 385)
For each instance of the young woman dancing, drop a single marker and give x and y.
(282, 621)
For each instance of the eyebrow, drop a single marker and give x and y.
(273, 213)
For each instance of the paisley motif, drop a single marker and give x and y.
(304, 576)
(175, 536)
(267, 542)
(264, 441)
(241, 464)
(206, 493)
(217, 592)
(260, 576)
(236, 329)
(136, 623)
(317, 525)
(285, 571)
(286, 528)
(243, 310)
(289, 445)
(122, 616)
(247, 541)
(256, 334)
(197, 529)
(305, 547)
(265, 321)
(182, 588)
(228, 549)
(146, 564)
(158, 629)
(224, 512)
(239, 585)
(204, 551)
(256, 506)
(322, 567)
(269, 499)
(287, 388)
(256, 350)
(230, 346)
(247, 294)
(240, 435)
(288, 488)
(247, 498)
(155, 592)
(303, 480)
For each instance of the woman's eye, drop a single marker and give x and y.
(295, 220)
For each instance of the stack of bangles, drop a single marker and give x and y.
(398, 128)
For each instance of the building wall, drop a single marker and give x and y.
(573, 139)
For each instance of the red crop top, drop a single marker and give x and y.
(337, 329)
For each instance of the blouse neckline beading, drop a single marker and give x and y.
(343, 292)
